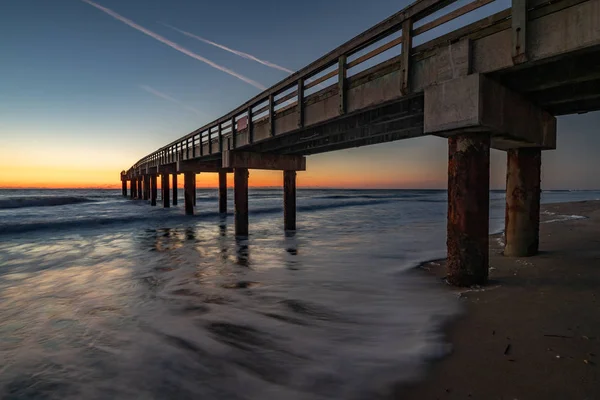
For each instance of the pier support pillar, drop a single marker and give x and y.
(124, 188)
(240, 177)
(132, 189)
(189, 183)
(146, 187)
(154, 190)
(289, 200)
(223, 192)
(175, 189)
(522, 222)
(166, 191)
(468, 209)
(140, 189)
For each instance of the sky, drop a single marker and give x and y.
(84, 95)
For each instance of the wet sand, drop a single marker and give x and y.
(534, 331)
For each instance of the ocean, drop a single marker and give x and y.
(102, 297)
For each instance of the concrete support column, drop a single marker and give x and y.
(223, 192)
(154, 190)
(175, 189)
(146, 187)
(133, 189)
(240, 181)
(139, 189)
(189, 183)
(124, 188)
(468, 209)
(289, 200)
(166, 191)
(522, 222)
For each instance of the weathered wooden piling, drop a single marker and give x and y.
(146, 187)
(132, 188)
(468, 209)
(140, 189)
(522, 219)
(175, 189)
(240, 181)
(154, 189)
(166, 191)
(289, 200)
(223, 192)
(189, 183)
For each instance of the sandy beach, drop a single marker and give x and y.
(534, 331)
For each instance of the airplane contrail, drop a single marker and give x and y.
(164, 96)
(174, 45)
(236, 52)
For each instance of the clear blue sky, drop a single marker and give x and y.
(75, 81)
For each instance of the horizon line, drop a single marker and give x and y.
(273, 187)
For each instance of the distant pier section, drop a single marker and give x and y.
(497, 82)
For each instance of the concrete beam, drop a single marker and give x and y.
(167, 169)
(475, 103)
(198, 166)
(151, 171)
(270, 161)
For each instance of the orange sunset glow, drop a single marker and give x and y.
(397, 166)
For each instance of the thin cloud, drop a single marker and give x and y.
(164, 96)
(174, 45)
(236, 52)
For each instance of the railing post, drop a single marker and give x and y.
(342, 83)
(301, 103)
(519, 31)
(233, 138)
(220, 139)
(406, 46)
(201, 145)
(271, 115)
(250, 132)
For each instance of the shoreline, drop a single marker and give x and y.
(532, 332)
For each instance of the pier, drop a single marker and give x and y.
(496, 83)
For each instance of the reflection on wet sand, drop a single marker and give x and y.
(242, 251)
(187, 310)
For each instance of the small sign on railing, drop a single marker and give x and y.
(242, 123)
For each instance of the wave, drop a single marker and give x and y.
(167, 219)
(23, 202)
(351, 196)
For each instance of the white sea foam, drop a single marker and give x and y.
(561, 218)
